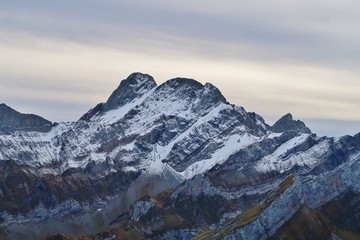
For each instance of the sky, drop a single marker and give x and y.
(58, 59)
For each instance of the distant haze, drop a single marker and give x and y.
(60, 58)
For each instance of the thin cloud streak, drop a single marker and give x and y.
(266, 32)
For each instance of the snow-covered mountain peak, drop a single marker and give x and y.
(190, 95)
(192, 88)
(181, 82)
(133, 87)
(136, 85)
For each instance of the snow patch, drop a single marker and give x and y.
(232, 145)
(130, 169)
(272, 135)
(115, 115)
(276, 161)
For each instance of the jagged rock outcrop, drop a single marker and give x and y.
(265, 219)
(287, 123)
(11, 120)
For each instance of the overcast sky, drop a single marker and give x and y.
(60, 58)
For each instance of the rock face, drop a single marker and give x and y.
(173, 161)
(287, 123)
(277, 210)
(11, 120)
(135, 86)
(343, 213)
(298, 227)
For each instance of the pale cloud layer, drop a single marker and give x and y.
(60, 58)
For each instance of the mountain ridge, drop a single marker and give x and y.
(146, 139)
(12, 120)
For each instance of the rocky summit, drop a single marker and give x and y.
(11, 120)
(175, 161)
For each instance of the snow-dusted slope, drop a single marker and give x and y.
(159, 119)
(147, 138)
(171, 132)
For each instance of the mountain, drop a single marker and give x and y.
(175, 161)
(287, 123)
(11, 120)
